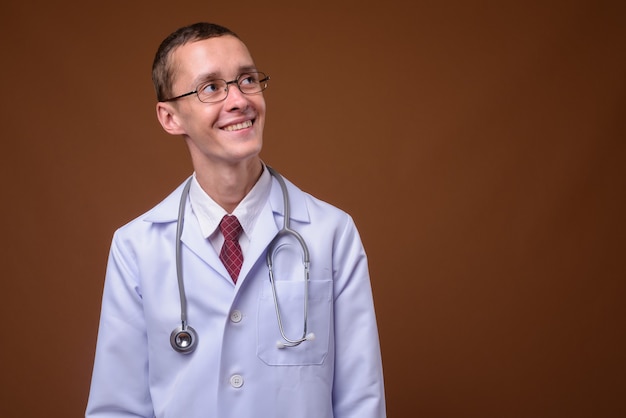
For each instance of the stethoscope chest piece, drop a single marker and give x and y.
(184, 339)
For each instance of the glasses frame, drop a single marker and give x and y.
(262, 81)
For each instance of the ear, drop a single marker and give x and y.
(168, 118)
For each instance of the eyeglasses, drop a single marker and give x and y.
(216, 90)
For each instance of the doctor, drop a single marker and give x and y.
(240, 366)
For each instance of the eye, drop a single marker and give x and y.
(209, 87)
(247, 79)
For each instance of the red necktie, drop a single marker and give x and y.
(231, 254)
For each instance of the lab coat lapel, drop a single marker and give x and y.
(192, 238)
(264, 231)
(270, 221)
(167, 212)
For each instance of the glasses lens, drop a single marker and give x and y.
(253, 82)
(212, 91)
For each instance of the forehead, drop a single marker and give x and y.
(223, 57)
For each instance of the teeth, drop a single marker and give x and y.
(238, 126)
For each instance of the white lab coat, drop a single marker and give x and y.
(236, 370)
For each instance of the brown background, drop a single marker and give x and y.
(488, 135)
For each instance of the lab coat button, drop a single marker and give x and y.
(236, 381)
(236, 316)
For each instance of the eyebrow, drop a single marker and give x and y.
(208, 76)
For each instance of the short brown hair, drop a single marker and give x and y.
(162, 71)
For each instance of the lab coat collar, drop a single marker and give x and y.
(297, 201)
(267, 225)
(167, 210)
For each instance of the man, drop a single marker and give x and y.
(231, 359)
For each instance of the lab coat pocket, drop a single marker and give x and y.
(290, 296)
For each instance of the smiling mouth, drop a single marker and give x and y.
(238, 126)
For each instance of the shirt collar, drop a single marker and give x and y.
(209, 213)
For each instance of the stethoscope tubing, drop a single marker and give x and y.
(287, 231)
(184, 338)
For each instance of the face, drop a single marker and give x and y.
(226, 132)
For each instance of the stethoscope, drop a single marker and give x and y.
(184, 338)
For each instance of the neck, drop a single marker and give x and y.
(229, 184)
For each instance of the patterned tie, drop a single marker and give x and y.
(231, 254)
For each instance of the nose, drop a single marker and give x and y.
(235, 99)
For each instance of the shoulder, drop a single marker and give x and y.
(307, 208)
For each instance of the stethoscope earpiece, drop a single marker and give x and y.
(184, 339)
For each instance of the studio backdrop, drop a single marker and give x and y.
(479, 146)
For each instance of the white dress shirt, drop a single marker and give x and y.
(210, 214)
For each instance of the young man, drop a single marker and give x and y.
(298, 345)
